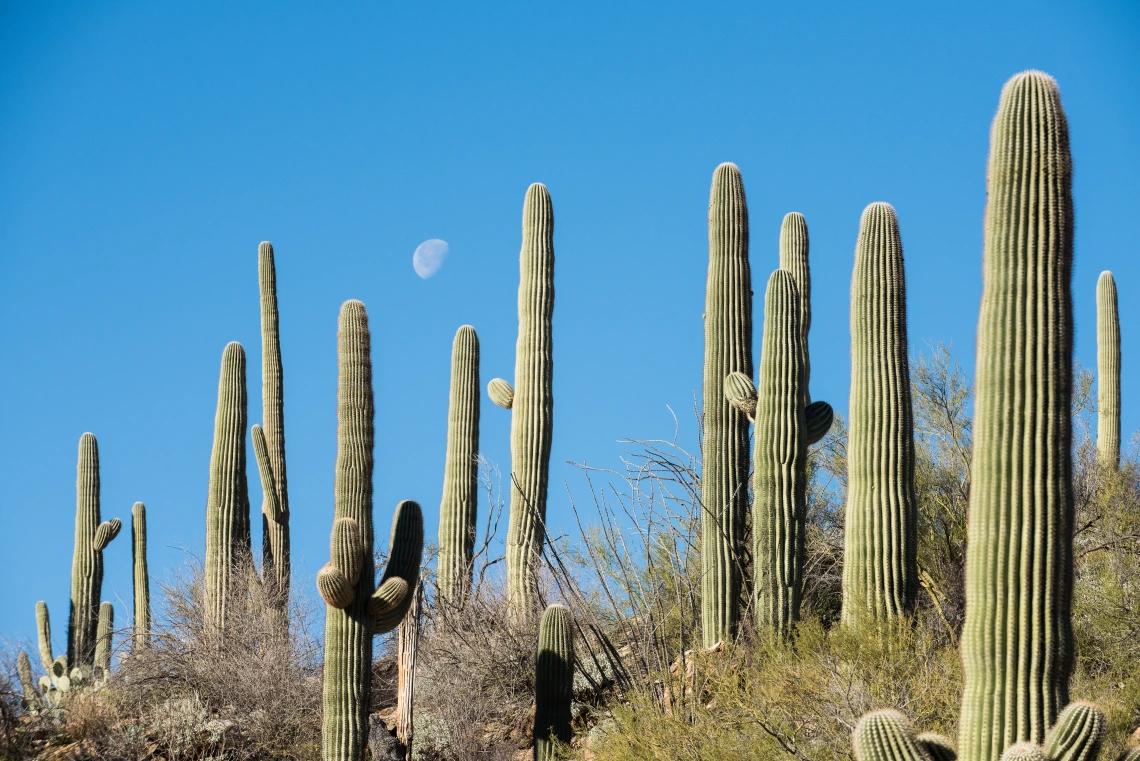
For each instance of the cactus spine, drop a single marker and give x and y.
(1017, 642)
(532, 402)
(880, 566)
(141, 577)
(728, 349)
(91, 537)
(103, 644)
(1108, 371)
(780, 461)
(356, 608)
(553, 681)
(227, 506)
(275, 507)
(457, 510)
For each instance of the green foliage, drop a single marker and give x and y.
(728, 349)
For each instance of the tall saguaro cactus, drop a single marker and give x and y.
(141, 577)
(275, 507)
(457, 510)
(1017, 642)
(553, 681)
(728, 349)
(227, 505)
(880, 566)
(91, 537)
(356, 608)
(780, 461)
(1108, 371)
(531, 402)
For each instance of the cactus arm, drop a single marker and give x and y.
(794, 258)
(532, 409)
(501, 393)
(1108, 371)
(271, 508)
(458, 507)
(553, 682)
(740, 392)
(727, 349)
(140, 576)
(275, 521)
(1077, 734)
(1017, 640)
(818, 417)
(404, 555)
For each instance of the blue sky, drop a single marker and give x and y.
(148, 147)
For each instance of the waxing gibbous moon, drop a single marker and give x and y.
(429, 257)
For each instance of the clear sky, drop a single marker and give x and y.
(146, 149)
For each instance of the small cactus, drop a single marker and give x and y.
(276, 565)
(103, 643)
(1077, 734)
(1108, 371)
(780, 461)
(728, 349)
(91, 538)
(227, 507)
(553, 681)
(141, 577)
(43, 631)
(1024, 752)
(31, 698)
(887, 735)
(457, 510)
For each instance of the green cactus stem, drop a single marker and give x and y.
(43, 632)
(103, 642)
(728, 349)
(887, 735)
(794, 258)
(880, 565)
(780, 460)
(1017, 640)
(1108, 371)
(457, 509)
(356, 608)
(227, 506)
(553, 682)
(141, 577)
(275, 507)
(1077, 734)
(91, 537)
(937, 747)
(531, 403)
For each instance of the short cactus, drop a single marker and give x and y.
(728, 349)
(553, 682)
(91, 537)
(1077, 734)
(887, 735)
(531, 403)
(356, 608)
(780, 460)
(227, 507)
(275, 507)
(1024, 752)
(1108, 371)
(31, 698)
(457, 510)
(43, 630)
(103, 642)
(1017, 640)
(880, 565)
(141, 577)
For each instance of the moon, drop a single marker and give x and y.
(429, 257)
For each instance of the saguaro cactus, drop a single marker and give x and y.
(141, 577)
(1108, 371)
(728, 349)
(780, 461)
(103, 643)
(227, 506)
(794, 249)
(43, 630)
(275, 507)
(91, 537)
(531, 401)
(880, 566)
(1077, 735)
(1017, 642)
(887, 735)
(356, 608)
(457, 510)
(553, 681)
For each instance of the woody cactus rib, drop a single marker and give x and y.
(780, 461)
(275, 507)
(1017, 641)
(1108, 371)
(457, 510)
(880, 566)
(728, 350)
(91, 537)
(227, 505)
